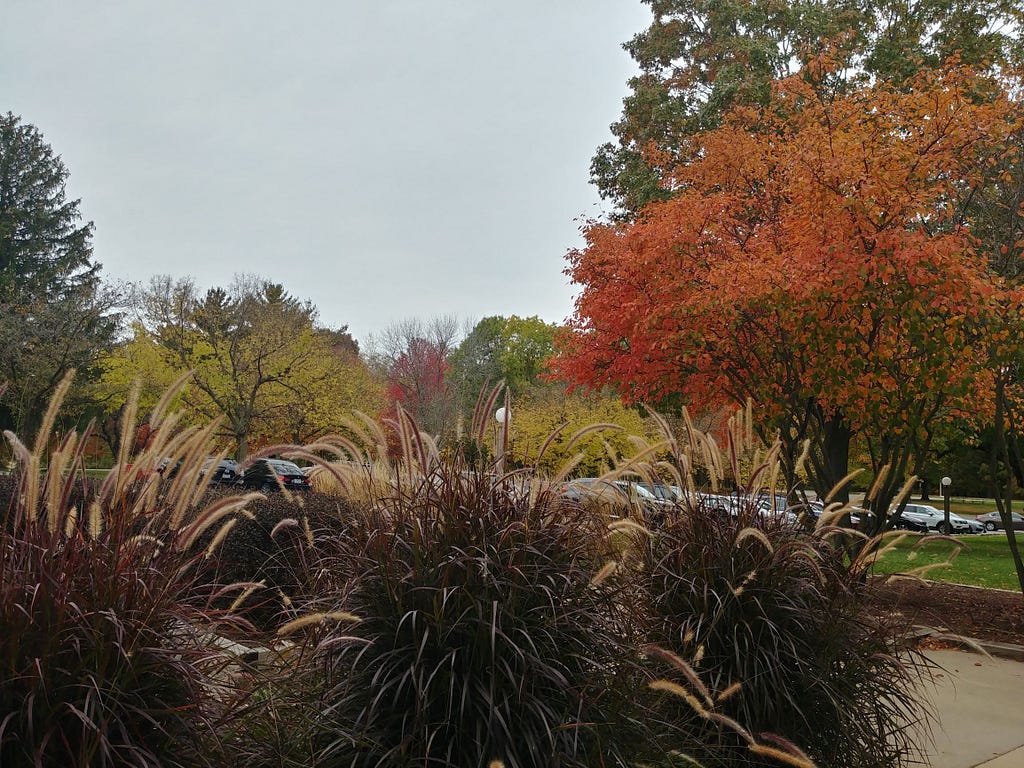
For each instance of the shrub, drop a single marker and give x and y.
(106, 656)
(276, 550)
(481, 635)
(776, 620)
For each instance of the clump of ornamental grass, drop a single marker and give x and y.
(773, 626)
(470, 628)
(106, 650)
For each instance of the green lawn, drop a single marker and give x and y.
(982, 561)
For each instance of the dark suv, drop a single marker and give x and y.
(273, 475)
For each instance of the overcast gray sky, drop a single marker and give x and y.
(383, 159)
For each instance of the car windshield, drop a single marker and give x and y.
(284, 467)
(642, 492)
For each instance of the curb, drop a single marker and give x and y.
(1009, 651)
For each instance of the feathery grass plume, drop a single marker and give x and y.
(628, 525)
(753, 533)
(904, 493)
(50, 417)
(109, 608)
(732, 725)
(187, 535)
(609, 568)
(964, 642)
(691, 431)
(833, 512)
(52, 489)
(734, 454)
(876, 486)
(286, 522)
(95, 527)
(369, 434)
(218, 539)
(805, 452)
(731, 690)
(129, 416)
(70, 521)
(485, 406)
(591, 428)
(923, 570)
(678, 663)
(782, 756)
(29, 471)
(247, 592)
(663, 427)
(678, 690)
(308, 531)
(567, 469)
(548, 442)
(876, 547)
(842, 484)
(315, 619)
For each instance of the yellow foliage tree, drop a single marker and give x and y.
(542, 412)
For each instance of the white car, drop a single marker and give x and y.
(935, 519)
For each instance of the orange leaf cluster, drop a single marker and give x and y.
(815, 249)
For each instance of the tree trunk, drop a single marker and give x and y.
(1004, 495)
(836, 449)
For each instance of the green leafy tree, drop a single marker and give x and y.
(699, 58)
(511, 349)
(250, 347)
(54, 313)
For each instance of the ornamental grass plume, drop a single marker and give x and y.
(105, 652)
(482, 637)
(774, 613)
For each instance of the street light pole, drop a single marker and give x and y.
(946, 482)
(502, 417)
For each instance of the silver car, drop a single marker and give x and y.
(993, 522)
(935, 519)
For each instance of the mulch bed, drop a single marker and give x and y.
(993, 615)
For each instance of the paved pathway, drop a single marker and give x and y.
(980, 703)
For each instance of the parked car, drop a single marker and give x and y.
(935, 519)
(224, 473)
(618, 493)
(661, 491)
(905, 523)
(767, 507)
(993, 522)
(272, 475)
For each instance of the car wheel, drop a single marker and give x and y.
(942, 528)
(990, 526)
(268, 487)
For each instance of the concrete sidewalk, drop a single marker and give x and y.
(980, 706)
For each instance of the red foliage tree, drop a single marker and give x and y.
(817, 258)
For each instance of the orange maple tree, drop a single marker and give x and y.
(817, 258)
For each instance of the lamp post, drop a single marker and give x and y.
(502, 416)
(946, 482)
